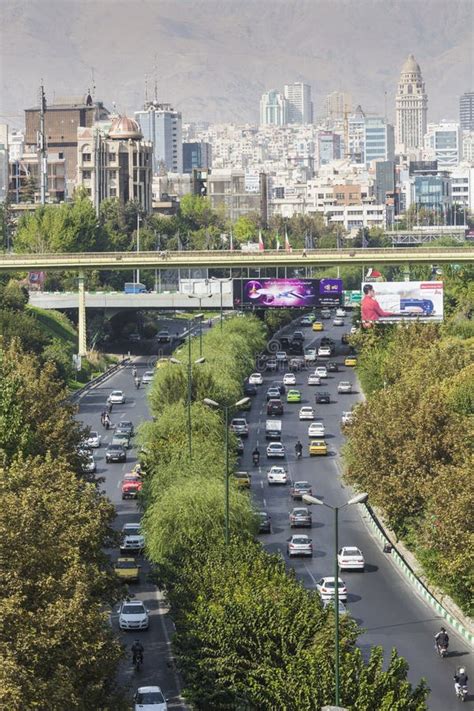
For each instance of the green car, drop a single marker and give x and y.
(293, 396)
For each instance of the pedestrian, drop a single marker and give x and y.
(304, 254)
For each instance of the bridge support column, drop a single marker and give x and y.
(82, 348)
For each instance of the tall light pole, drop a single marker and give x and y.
(221, 282)
(225, 409)
(359, 499)
(189, 399)
(200, 299)
(138, 244)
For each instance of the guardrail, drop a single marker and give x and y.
(96, 381)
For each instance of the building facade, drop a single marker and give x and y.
(466, 111)
(273, 109)
(238, 193)
(300, 106)
(378, 140)
(411, 108)
(161, 125)
(4, 178)
(444, 142)
(196, 155)
(337, 105)
(329, 147)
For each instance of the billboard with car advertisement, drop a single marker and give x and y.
(286, 293)
(387, 302)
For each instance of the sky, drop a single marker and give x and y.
(212, 59)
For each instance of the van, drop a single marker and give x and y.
(273, 429)
(131, 287)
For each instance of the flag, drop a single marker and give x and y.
(261, 246)
(278, 245)
(287, 242)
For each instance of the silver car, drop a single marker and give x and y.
(147, 377)
(276, 449)
(344, 387)
(300, 518)
(299, 545)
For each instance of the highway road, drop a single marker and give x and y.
(379, 599)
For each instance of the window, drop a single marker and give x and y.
(86, 157)
(112, 157)
(339, 196)
(86, 174)
(112, 174)
(61, 156)
(113, 192)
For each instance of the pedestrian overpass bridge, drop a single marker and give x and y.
(118, 301)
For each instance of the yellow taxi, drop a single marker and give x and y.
(318, 326)
(317, 447)
(350, 361)
(242, 479)
(127, 569)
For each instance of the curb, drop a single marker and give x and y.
(77, 394)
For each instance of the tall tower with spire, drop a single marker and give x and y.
(411, 107)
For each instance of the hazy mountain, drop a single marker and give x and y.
(214, 58)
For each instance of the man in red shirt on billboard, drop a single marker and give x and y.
(370, 309)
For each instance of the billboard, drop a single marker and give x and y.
(286, 293)
(387, 302)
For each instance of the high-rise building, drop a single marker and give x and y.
(466, 111)
(300, 106)
(329, 147)
(378, 140)
(162, 126)
(273, 109)
(384, 186)
(411, 107)
(444, 141)
(337, 105)
(356, 136)
(196, 155)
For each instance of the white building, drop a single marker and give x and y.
(273, 109)
(300, 106)
(444, 141)
(16, 145)
(378, 140)
(468, 147)
(411, 108)
(162, 126)
(462, 186)
(353, 217)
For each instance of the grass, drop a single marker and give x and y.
(55, 324)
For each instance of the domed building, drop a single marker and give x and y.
(115, 162)
(411, 107)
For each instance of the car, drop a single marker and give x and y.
(300, 517)
(88, 465)
(284, 342)
(271, 364)
(306, 321)
(281, 356)
(296, 347)
(322, 398)
(163, 362)
(350, 361)
(147, 377)
(321, 371)
(280, 385)
(344, 386)
(316, 430)
(134, 338)
(115, 453)
(318, 326)
(340, 313)
(314, 379)
(324, 352)
(150, 698)
(121, 438)
(242, 479)
(133, 615)
(256, 379)
(326, 341)
(93, 439)
(276, 449)
(273, 393)
(277, 475)
(127, 569)
(350, 558)
(163, 336)
(293, 396)
(338, 322)
(347, 418)
(131, 486)
(289, 379)
(298, 336)
(306, 413)
(417, 306)
(239, 426)
(327, 587)
(264, 522)
(317, 447)
(299, 488)
(299, 545)
(116, 397)
(275, 407)
(332, 366)
(126, 426)
(250, 390)
(330, 603)
(296, 364)
(325, 314)
(310, 355)
(132, 538)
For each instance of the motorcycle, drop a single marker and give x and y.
(137, 661)
(461, 692)
(442, 650)
(299, 453)
(256, 459)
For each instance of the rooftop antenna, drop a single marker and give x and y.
(93, 83)
(155, 71)
(146, 89)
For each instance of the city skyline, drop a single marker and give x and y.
(202, 61)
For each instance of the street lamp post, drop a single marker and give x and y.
(225, 409)
(138, 244)
(189, 399)
(221, 282)
(359, 499)
(200, 299)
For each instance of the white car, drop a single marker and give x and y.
(276, 449)
(93, 440)
(150, 698)
(347, 418)
(299, 545)
(277, 475)
(306, 413)
(133, 615)
(314, 379)
(132, 539)
(289, 379)
(256, 379)
(340, 313)
(321, 371)
(147, 377)
(310, 355)
(324, 352)
(281, 356)
(116, 397)
(350, 558)
(316, 430)
(338, 322)
(327, 587)
(88, 465)
(344, 387)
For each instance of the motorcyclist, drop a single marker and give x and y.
(134, 371)
(298, 449)
(137, 382)
(256, 455)
(460, 680)
(441, 639)
(107, 421)
(137, 651)
(138, 469)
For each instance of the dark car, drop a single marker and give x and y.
(275, 407)
(250, 390)
(332, 366)
(115, 453)
(299, 488)
(273, 393)
(280, 385)
(297, 336)
(296, 348)
(126, 426)
(265, 525)
(322, 398)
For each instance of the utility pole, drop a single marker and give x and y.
(43, 158)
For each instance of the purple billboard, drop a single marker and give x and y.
(286, 293)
